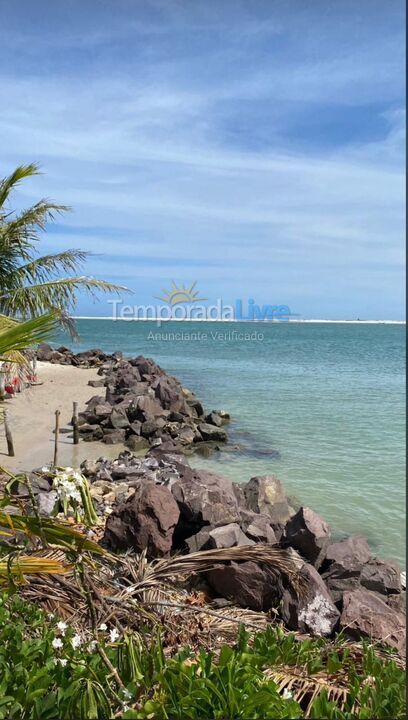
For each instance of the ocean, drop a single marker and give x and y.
(320, 405)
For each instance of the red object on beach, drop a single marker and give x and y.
(9, 389)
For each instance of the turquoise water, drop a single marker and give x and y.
(320, 405)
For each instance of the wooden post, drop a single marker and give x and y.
(34, 367)
(9, 439)
(2, 384)
(75, 423)
(57, 417)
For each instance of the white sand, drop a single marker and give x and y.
(32, 419)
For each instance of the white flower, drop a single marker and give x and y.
(51, 616)
(61, 661)
(113, 635)
(287, 695)
(127, 694)
(62, 627)
(92, 645)
(103, 626)
(76, 641)
(44, 469)
(57, 643)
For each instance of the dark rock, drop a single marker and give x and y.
(146, 521)
(96, 383)
(205, 498)
(308, 533)
(309, 607)
(136, 443)
(243, 583)
(265, 494)
(214, 419)
(119, 419)
(211, 432)
(349, 554)
(90, 432)
(135, 427)
(199, 541)
(103, 410)
(257, 527)
(113, 437)
(150, 427)
(366, 614)
(381, 577)
(226, 536)
(44, 352)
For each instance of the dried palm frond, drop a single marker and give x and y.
(305, 687)
(18, 567)
(159, 573)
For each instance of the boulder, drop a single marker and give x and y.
(265, 494)
(214, 419)
(307, 606)
(136, 443)
(96, 383)
(226, 536)
(199, 541)
(381, 577)
(308, 533)
(119, 419)
(90, 432)
(349, 554)
(257, 527)
(366, 614)
(46, 502)
(44, 352)
(243, 583)
(204, 498)
(113, 437)
(146, 521)
(211, 432)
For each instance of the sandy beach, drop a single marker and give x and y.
(32, 419)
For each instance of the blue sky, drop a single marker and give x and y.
(256, 147)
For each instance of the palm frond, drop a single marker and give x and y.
(41, 298)
(19, 336)
(8, 183)
(306, 687)
(18, 567)
(43, 268)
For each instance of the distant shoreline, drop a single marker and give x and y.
(257, 322)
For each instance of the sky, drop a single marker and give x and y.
(255, 147)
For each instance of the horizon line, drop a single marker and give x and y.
(221, 320)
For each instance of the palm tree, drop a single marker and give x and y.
(30, 284)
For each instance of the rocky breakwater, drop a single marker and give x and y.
(141, 406)
(162, 505)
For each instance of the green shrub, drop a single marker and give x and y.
(50, 672)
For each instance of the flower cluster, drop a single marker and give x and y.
(68, 483)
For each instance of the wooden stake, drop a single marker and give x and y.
(75, 423)
(57, 417)
(9, 439)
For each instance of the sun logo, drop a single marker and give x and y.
(177, 295)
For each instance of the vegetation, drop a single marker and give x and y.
(30, 284)
(50, 671)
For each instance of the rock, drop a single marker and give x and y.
(243, 583)
(257, 527)
(204, 498)
(136, 443)
(214, 419)
(186, 436)
(343, 565)
(349, 554)
(310, 608)
(119, 419)
(102, 411)
(199, 541)
(227, 536)
(91, 432)
(308, 533)
(265, 494)
(96, 383)
(146, 521)
(44, 352)
(150, 427)
(135, 427)
(211, 432)
(381, 577)
(113, 437)
(366, 614)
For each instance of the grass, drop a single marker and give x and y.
(49, 672)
